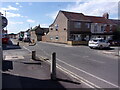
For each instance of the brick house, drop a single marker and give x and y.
(69, 27)
(37, 32)
(77, 28)
(102, 27)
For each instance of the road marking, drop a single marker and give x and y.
(89, 74)
(27, 49)
(88, 58)
(88, 83)
(95, 60)
(83, 71)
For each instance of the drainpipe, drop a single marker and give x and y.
(1, 53)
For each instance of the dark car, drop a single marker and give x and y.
(20, 39)
(114, 42)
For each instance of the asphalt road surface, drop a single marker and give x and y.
(98, 69)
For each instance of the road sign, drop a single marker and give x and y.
(4, 21)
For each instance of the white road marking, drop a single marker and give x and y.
(27, 49)
(88, 58)
(84, 72)
(95, 60)
(89, 74)
(88, 83)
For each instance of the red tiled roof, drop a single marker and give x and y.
(103, 20)
(116, 21)
(81, 17)
(75, 16)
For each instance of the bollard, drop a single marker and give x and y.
(17, 43)
(53, 66)
(33, 55)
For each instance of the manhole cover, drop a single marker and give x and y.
(13, 57)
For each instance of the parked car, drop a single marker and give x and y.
(20, 38)
(5, 38)
(114, 42)
(98, 43)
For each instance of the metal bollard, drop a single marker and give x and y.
(53, 66)
(33, 55)
(17, 43)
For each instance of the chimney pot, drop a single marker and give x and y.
(106, 15)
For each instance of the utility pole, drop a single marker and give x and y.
(1, 53)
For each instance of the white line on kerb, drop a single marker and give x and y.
(76, 76)
(89, 74)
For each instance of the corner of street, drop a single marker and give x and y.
(20, 71)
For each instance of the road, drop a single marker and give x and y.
(98, 69)
(23, 72)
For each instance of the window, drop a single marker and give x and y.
(56, 27)
(102, 28)
(51, 38)
(88, 25)
(105, 27)
(77, 24)
(56, 37)
(51, 28)
(110, 27)
(95, 28)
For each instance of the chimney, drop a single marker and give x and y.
(106, 15)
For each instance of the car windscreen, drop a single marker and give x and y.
(95, 40)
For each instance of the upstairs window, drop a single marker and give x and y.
(110, 27)
(95, 27)
(105, 27)
(87, 25)
(56, 27)
(77, 24)
(102, 28)
(51, 28)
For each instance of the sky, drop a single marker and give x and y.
(24, 15)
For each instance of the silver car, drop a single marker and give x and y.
(98, 43)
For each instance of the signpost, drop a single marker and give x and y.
(3, 23)
(1, 54)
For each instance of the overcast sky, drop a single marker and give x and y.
(23, 15)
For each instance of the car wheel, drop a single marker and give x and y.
(101, 47)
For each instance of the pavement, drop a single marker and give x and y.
(20, 71)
